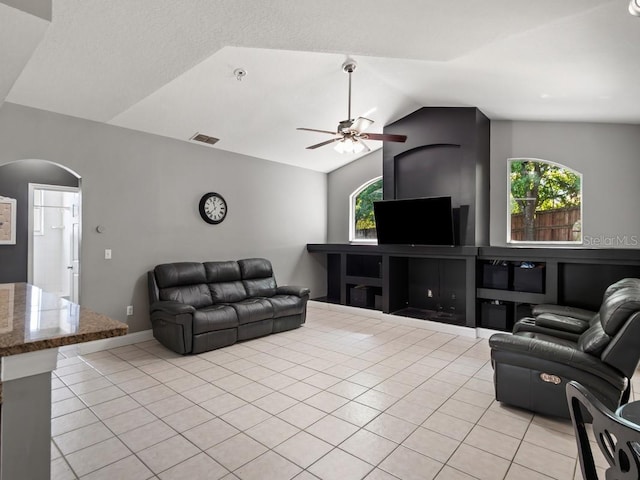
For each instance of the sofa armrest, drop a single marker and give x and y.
(565, 311)
(533, 350)
(293, 290)
(529, 324)
(171, 307)
(172, 324)
(560, 322)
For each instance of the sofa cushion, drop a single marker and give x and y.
(594, 340)
(227, 292)
(260, 287)
(179, 274)
(222, 271)
(197, 296)
(257, 276)
(255, 268)
(215, 317)
(253, 310)
(618, 307)
(183, 282)
(548, 338)
(286, 305)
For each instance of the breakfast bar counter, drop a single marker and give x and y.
(33, 324)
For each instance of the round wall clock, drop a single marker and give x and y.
(213, 208)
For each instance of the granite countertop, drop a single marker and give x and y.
(32, 319)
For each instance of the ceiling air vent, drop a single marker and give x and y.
(199, 137)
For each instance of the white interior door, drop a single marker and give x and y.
(54, 250)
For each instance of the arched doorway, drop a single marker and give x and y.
(28, 181)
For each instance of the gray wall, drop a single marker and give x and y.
(340, 184)
(144, 189)
(608, 156)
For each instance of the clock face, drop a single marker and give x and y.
(213, 208)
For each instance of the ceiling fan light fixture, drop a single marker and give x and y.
(634, 8)
(341, 146)
(349, 145)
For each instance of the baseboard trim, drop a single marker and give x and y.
(145, 335)
(113, 342)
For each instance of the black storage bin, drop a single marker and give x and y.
(361, 296)
(496, 316)
(378, 302)
(529, 279)
(496, 276)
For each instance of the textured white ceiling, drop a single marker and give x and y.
(20, 34)
(166, 66)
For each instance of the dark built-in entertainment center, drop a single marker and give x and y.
(483, 287)
(447, 155)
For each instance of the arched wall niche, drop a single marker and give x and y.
(446, 154)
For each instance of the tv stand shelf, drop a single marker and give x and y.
(367, 281)
(511, 296)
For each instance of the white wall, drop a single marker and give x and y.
(144, 189)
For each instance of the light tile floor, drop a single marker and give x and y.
(344, 397)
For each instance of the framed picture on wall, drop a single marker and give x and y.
(7, 221)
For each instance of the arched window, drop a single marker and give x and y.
(362, 223)
(545, 202)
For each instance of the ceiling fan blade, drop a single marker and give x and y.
(366, 148)
(360, 124)
(322, 144)
(387, 137)
(315, 130)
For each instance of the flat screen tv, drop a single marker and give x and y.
(415, 221)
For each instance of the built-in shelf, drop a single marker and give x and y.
(510, 295)
(367, 281)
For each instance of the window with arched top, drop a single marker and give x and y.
(545, 202)
(362, 223)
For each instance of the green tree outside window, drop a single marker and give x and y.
(364, 222)
(545, 202)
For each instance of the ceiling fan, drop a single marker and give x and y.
(350, 134)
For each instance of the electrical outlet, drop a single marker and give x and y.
(107, 254)
(130, 310)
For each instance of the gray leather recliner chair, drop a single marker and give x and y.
(566, 321)
(532, 367)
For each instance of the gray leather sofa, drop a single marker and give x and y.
(533, 365)
(196, 307)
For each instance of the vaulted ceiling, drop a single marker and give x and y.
(166, 67)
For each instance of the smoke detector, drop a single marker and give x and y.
(634, 8)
